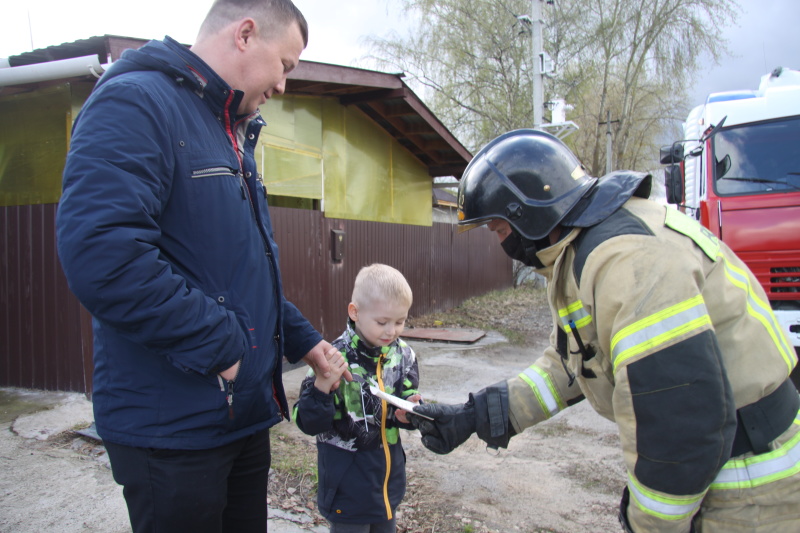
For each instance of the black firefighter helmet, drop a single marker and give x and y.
(526, 177)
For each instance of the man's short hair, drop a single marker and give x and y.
(272, 16)
(379, 282)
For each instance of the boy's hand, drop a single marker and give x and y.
(317, 359)
(401, 414)
(337, 366)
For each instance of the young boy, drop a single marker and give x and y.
(361, 462)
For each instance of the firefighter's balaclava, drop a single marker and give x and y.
(524, 250)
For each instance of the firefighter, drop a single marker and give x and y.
(657, 324)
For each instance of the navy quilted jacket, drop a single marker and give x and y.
(165, 237)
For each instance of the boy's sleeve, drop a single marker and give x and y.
(411, 377)
(410, 384)
(314, 410)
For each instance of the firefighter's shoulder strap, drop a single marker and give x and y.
(707, 241)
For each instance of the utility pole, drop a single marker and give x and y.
(608, 122)
(540, 63)
(538, 60)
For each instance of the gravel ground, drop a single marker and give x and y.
(564, 475)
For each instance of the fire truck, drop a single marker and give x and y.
(737, 171)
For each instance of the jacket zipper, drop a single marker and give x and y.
(387, 456)
(213, 171)
(247, 196)
(277, 337)
(231, 133)
(229, 388)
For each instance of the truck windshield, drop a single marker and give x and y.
(759, 158)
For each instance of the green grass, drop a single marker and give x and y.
(294, 464)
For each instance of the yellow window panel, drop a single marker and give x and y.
(368, 175)
(34, 132)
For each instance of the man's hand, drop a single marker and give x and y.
(450, 427)
(317, 360)
(338, 365)
(231, 373)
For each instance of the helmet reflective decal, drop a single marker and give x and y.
(578, 173)
(528, 178)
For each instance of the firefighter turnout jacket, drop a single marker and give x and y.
(667, 333)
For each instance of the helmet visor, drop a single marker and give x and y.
(461, 228)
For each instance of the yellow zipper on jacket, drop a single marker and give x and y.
(384, 407)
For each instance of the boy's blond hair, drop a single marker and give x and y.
(381, 282)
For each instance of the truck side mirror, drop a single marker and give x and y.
(671, 154)
(673, 181)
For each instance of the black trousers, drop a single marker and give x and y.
(389, 526)
(199, 491)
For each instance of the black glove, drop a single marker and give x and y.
(450, 427)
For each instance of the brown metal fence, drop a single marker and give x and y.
(45, 335)
(46, 338)
(443, 268)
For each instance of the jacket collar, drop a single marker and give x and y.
(207, 83)
(361, 348)
(549, 255)
(186, 68)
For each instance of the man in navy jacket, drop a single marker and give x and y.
(165, 237)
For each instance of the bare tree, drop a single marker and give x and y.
(471, 61)
(635, 58)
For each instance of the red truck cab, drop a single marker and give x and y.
(738, 172)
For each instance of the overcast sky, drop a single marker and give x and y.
(335, 27)
(766, 36)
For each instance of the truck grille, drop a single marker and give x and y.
(785, 279)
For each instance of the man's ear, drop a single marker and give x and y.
(352, 311)
(245, 30)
